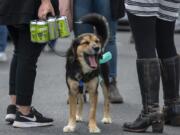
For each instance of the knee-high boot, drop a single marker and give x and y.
(170, 69)
(149, 77)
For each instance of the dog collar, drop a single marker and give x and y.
(89, 76)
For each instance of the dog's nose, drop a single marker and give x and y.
(96, 49)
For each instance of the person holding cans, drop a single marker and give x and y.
(17, 14)
(83, 7)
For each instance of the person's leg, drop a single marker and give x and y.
(148, 70)
(103, 7)
(3, 42)
(11, 109)
(12, 75)
(170, 65)
(24, 73)
(27, 56)
(81, 8)
(165, 39)
(145, 37)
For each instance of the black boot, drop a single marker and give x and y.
(114, 95)
(149, 77)
(170, 80)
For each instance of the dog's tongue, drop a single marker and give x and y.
(92, 61)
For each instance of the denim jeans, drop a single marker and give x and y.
(3, 38)
(83, 7)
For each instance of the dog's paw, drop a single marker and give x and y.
(68, 129)
(106, 120)
(94, 129)
(79, 118)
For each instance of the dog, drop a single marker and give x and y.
(83, 70)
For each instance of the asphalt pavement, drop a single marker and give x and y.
(51, 92)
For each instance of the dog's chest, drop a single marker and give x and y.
(87, 76)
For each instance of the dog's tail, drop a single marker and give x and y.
(100, 23)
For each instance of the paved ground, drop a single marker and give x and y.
(51, 93)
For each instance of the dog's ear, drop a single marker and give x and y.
(75, 44)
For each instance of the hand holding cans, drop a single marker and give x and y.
(53, 28)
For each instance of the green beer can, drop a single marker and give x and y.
(42, 32)
(52, 28)
(33, 25)
(63, 27)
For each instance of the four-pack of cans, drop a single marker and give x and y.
(51, 29)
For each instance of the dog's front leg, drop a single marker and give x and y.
(73, 92)
(93, 95)
(106, 114)
(72, 114)
(79, 108)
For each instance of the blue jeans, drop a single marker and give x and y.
(83, 7)
(3, 38)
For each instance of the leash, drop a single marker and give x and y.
(58, 53)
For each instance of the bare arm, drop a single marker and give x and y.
(45, 8)
(66, 8)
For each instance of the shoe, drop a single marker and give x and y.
(143, 121)
(33, 119)
(114, 95)
(11, 114)
(151, 115)
(3, 57)
(172, 114)
(170, 70)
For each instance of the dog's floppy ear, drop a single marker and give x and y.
(74, 46)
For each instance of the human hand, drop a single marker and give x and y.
(45, 8)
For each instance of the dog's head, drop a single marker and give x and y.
(87, 50)
(88, 47)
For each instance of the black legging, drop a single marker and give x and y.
(23, 64)
(153, 35)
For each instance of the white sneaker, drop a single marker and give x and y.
(3, 57)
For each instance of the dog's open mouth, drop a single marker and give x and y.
(91, 60)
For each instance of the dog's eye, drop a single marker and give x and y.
(86, 42)
(96, 41)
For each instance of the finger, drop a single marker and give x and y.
(52, 12)
(44, 16)
(41, 15)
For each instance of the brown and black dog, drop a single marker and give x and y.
(83, 70)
